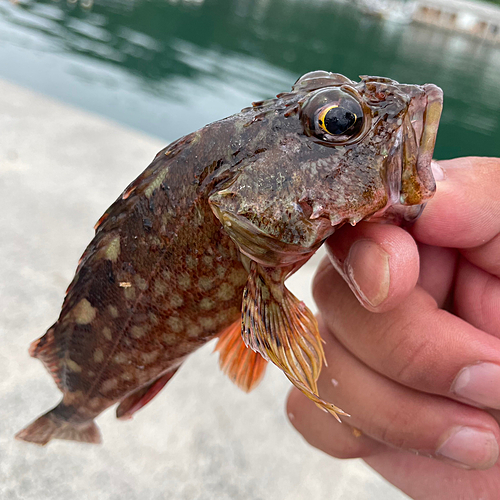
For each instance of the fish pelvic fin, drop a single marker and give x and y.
(52, 426)
(284, 331)
(242, 365)
(142, 396)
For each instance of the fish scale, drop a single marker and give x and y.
(200, 244)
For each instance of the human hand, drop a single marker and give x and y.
(415, 358)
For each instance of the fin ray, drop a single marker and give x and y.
(284, 331)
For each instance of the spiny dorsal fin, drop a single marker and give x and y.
(242, 365)
(283, 330)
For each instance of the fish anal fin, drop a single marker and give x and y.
(142, 396)
(284, 331)
(51, 426)
(45, 350)
(242, 365)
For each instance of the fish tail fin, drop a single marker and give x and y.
(51, 426)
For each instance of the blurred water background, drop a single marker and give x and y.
(169, 67)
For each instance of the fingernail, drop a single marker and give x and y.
(437, 171)
(367, 268)
(479, 384)
(469, 447)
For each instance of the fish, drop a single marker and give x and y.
(200, 245)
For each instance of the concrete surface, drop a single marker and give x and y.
(201, 438)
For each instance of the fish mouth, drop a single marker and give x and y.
(410, 180)
(425, 118)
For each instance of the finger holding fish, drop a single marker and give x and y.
(416, 344)
(394, 415)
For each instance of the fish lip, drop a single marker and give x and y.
(428, 109)
(409, 179)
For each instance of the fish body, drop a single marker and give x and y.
(200, 244)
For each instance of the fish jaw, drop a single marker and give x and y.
(420, 131)
(409, 179)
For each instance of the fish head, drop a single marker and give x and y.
(334, 152)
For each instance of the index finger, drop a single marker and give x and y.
(465, 211)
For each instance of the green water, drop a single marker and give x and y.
(168, 68)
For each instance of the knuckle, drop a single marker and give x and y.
(412, 360)
(343, 443)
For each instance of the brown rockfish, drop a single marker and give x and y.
(201, 243)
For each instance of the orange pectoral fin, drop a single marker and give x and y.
(242, 365)
(141, 397)
(284, 331)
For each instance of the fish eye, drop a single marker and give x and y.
(334, 116)
(336, 120)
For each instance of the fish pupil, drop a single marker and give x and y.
(338, 120)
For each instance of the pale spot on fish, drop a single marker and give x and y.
(205, 283)
(156, 183)
(160, 287)
(109, 385)
(176, 300)
(106, 332)
(184, 281)
(73, 366)
(95, 403)
(225, 292)
(207, 323)
(137, 332)
(167, 275)
(155, 241)
(238, 277)
(191, 262)
(175, 324)
(113, 311)
(198, 218)
(72, 397)
(120, 358)
(83, 312)
(169, 338)
(127, 376)
(153, 318)
(149, 357)
(98, 356)
(208, 260)
(113, 249)
(228, 315)
(207, 304)
(221, 271)
(141, 283)
(194, 330)
(129, 293)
